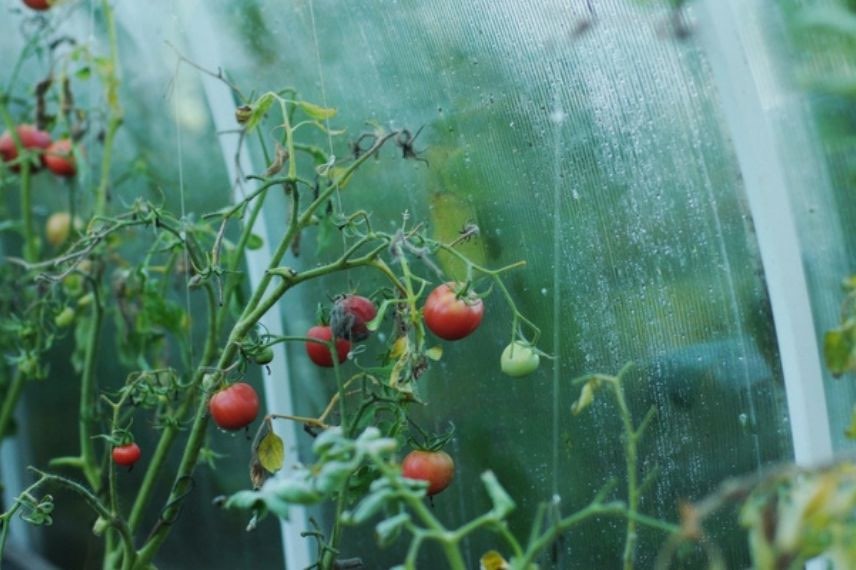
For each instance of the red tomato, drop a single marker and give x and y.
(31, 138)
(318, 353)
(59, 158)
(349, 317)
(435, 467)
(126, 455)
(234, 407)
(40, 5)
(449, 317)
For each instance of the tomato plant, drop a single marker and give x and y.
(452, 313)
(235, 406)
(349, 317)
(126, 455)
(319, 353)
(59, 158)
(30, 137)
(519, 359)
(434, 467)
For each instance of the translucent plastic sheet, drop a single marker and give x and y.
(591, 145)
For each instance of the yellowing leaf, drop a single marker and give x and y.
(271, 452)
(585, 399)
(434, 353)
(398, 347)
(315, 111)
(259, 108)
(337, 173)
(493, 560)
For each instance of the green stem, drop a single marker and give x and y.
(113, 519)
(328, 558)
(115, 110)
(630, 452)
(31, 251)
(10, 401)
(86, 418)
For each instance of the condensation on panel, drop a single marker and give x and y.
(598, 154)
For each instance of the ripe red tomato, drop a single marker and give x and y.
(59, 159)
(435, 467)
(449, 317)
(31, 138)
(126, 455)
(40, 5)
(349, 317)
(234, 407)
(318, 353)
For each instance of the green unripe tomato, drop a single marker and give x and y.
(64, 317)
(263, 356)
(519, 359)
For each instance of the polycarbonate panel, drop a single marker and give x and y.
(593, 145)
(601, 158)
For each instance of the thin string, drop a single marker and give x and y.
(181, 194)
(557, 118)
(324, 103)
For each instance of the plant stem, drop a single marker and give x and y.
(86, 417)
(114, 120)
(10, 401)
(631, 437)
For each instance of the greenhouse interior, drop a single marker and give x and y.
(340, 284)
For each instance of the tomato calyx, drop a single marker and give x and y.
(419, 439)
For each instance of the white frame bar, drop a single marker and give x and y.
(769, 202)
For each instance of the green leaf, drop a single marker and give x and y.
(271, 452)
(327, 440)
(503, 504)
(315, 111)
(296, 491)
(244, 500)
(369, 506)
(255, 242)
(259, 109)
(327, 231)
(839, 348)
(333, 475)
(388, 529)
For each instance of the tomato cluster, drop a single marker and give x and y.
(349, 320)
(57, 155)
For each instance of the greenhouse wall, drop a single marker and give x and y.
(656, 198)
